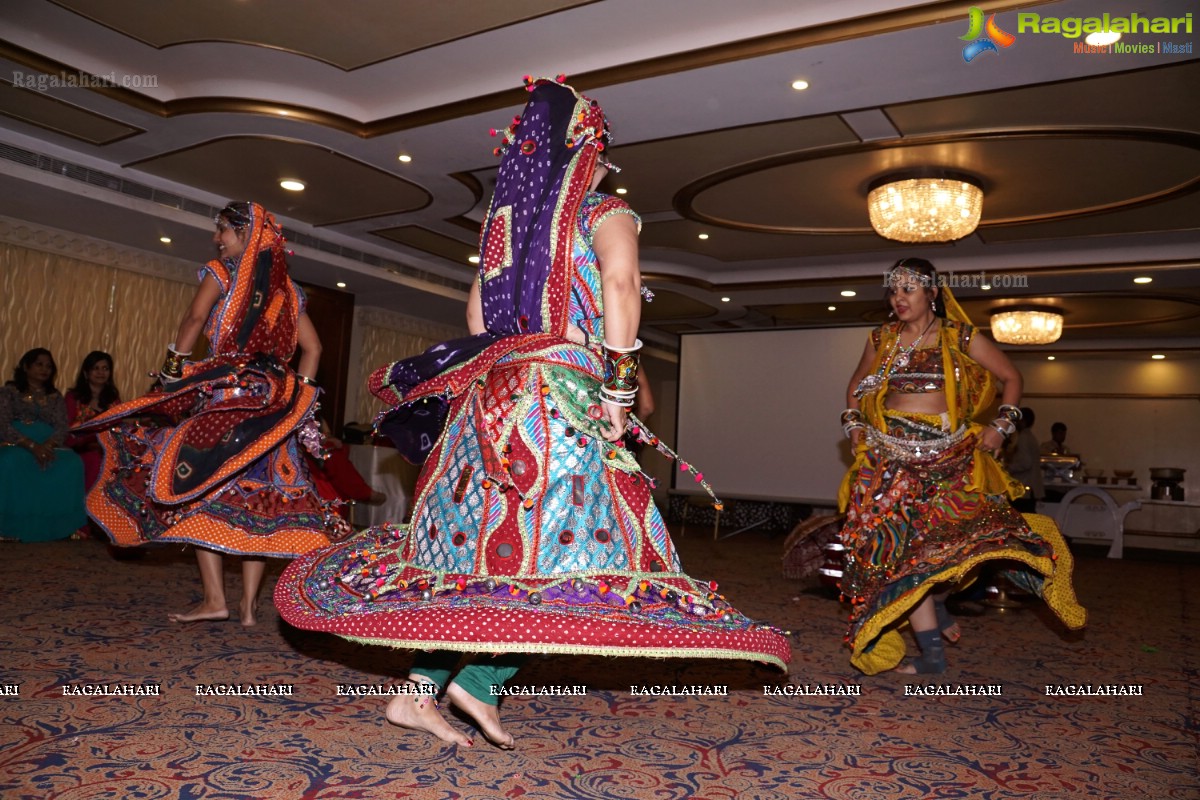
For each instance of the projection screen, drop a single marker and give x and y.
(758, 411)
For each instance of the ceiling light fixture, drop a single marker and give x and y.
(1049, 358)
(1027, 326)
(800, 85)
(473, 259)
(833, 308)
(405, 157)
(987, 287)
(909, 207)
(702, 236)
(292, 184)
(1143, 279)
(1158, 356)
(622, 190)
(341, 284)
(165, 239)
(849, 293)
(724, 299)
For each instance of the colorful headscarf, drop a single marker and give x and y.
(260, 304)
(549, 157)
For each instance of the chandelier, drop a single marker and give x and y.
(1027, 326)
(908, 208)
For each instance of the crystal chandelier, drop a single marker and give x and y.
(1026, 326)
(905, 208)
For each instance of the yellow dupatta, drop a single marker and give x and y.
(970, 389)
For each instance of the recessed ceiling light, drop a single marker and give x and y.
(341, 284)
(1143, 279)
(987, 287)
(405, 157)
(1158, 356)
(165, 239)
(849, 293)
(702, 236)
(1102, 38)
(833, 308)
(800, 85)
(622, 190)
(292, 184)
(724, 299)
(1049, 358)
(473, 259)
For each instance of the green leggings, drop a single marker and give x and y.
(477, 677)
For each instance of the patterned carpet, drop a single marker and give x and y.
(73, 615)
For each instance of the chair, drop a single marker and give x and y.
(699, 501)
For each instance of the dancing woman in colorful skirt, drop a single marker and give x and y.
(213, 458)
(533, 528)
(926, 501)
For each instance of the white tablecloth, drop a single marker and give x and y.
(382, 468)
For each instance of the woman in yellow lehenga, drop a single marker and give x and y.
(926, 502)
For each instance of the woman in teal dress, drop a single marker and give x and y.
(41, 482)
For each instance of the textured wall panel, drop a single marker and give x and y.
(382, 346)
(71, 307)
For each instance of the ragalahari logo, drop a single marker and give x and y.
(994, 39)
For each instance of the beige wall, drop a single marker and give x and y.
(1122, 413)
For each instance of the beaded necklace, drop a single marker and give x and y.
(905, 354)
(890, 362)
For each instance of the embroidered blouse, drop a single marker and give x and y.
(29, 408)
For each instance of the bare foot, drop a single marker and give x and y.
(249, 613)
(201, 613)
(418, 712)
(486, 715)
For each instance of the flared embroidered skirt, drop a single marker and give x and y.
(530, 534)
(215, 461)
(915, 524)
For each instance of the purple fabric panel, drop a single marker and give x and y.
(530, 180)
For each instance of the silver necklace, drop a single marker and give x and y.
(905, 353)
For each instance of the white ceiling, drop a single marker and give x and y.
(667, 72)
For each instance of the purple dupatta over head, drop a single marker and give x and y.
(549, 158)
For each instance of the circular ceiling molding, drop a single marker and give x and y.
(668, 306)
(1027, 176)
(1090, 313)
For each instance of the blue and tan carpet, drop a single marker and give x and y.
(72, 615)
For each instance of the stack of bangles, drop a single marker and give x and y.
(172, 367)
(852, 418)
(620, 374)
(1006, 423)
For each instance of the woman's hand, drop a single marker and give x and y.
(990, 441)
(576, 335)
(43, 454)
(856, 437)
(615, 416)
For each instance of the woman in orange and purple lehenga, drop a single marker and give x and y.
(926, 502)
(214, 459)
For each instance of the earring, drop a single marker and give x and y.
(892, 314)
(933, 306)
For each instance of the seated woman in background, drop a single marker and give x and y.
(337, 479)
(41, 483)
(94, 391)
